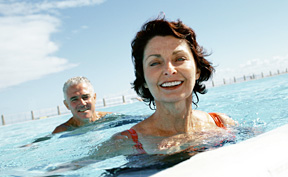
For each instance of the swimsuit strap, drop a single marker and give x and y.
(217, 120)
(138, 145)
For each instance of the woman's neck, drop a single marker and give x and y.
(174, 117)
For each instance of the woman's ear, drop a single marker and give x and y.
(198, 73)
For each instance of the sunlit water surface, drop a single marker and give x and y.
(259, 105)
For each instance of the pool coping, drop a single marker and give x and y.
(264, 156)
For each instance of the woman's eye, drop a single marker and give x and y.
(181, 59)
(153, 63)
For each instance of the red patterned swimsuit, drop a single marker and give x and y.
(138, 146)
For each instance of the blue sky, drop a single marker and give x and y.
(45, 42)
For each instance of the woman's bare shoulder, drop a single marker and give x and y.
(124, 135)
(227, 120)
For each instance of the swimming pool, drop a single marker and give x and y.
(260, 104)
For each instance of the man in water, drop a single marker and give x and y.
(80, 99)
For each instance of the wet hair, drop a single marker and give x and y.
(75, 81)
(162, 27)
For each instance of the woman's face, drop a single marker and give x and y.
(169, 69)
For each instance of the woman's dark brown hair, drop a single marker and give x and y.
(162, 27)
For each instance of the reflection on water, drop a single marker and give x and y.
(259, 106)
(148, 164)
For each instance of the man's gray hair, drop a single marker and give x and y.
(75, 81)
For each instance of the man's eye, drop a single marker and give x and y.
(73, 100)
(85, 97)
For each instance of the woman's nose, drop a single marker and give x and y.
(169, 69)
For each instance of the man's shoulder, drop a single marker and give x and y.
(63, 127)
(60, 128)
(102, 114)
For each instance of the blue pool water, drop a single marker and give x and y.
(258, 104)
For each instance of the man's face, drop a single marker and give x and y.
(81, 102)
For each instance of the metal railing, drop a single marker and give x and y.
(61, 110)
(118, 100)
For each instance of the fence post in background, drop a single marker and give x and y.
(224, 82)
(278, 71)
(213, 84)
(244, 77)
(262, 75)
(58, 109)
(234, 80)
(270, 73)
(3, 120)
(253, 76)
(104, 103)
(123, 98)
(286, 70)
(32, 115)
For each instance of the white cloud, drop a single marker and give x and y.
(257, 66)
(84, 27)
(26, 50)
(22, 7)
(254, 66)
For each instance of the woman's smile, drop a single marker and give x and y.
(169, 68)
(171, 84)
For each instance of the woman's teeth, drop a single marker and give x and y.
(171, 84)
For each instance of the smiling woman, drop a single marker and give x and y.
(170, 67)
(184, 36)
(171, 73)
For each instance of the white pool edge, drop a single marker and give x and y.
(262, 156)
